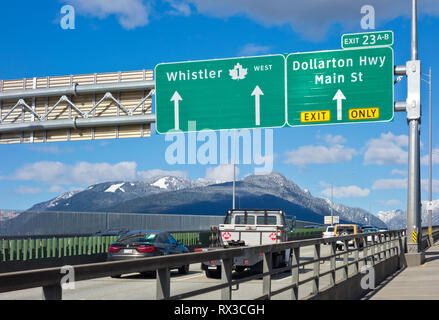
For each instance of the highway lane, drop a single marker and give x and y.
(140, 287)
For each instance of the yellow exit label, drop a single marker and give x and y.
(364, 113)
(315, 116)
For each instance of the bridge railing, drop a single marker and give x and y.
(381, 247)
(388, 244)
(24, 248)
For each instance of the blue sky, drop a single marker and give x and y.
(366, 163)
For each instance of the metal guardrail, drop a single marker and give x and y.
(383, 246)
(390, 243)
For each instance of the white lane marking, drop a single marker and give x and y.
(188, 277)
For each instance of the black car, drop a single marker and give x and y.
(146, 243)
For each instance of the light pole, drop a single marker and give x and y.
(413, 67)
(430, 156)
(332, 203)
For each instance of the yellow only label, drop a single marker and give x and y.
(315, 116)
(364, 113)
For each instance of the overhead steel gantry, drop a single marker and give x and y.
(80, 107)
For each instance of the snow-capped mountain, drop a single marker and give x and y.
(397, 219)
(169, 194)
(99, 196)
(8, 214)
(54, 202)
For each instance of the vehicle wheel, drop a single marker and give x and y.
(239, 268)
(257, 268)
(116, 276)
(147, 273)
(213, 274)
(183, 269)
(277, 261)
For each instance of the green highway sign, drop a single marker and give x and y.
(367, 39)
(341, 86)
(221, 94)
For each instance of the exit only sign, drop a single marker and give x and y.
(340, 86)
(314, 88)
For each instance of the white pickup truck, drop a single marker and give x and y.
(250, 228)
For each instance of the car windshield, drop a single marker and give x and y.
(241, 219)
(138, 237)
(271, 220)
(342, 229)
(330, 229)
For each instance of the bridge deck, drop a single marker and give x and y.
(415, 283)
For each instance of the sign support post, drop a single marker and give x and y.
(414, 254)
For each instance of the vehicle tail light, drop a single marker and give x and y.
(113, 249)
(198, 250)
(146, 249)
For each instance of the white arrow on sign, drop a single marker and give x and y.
(258, 93)
(176, 98)
(339, 96)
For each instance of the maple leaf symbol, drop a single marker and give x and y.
(238, 72)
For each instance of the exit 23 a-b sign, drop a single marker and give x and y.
(328, 87)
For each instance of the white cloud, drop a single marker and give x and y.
(346, 192)
(50, 149)
(399, 172)
(129, 13)
(434, 185)
(319, 155)
(56, 189)
(27, 190)
(311, 18)
(434, 157)
(251, 49)
(223, 172)
(388, 184)
(392, 202)
(332, 139)
(84, 173)
(387, 149)
(43, 171)
(158, 172)
(179, 8)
